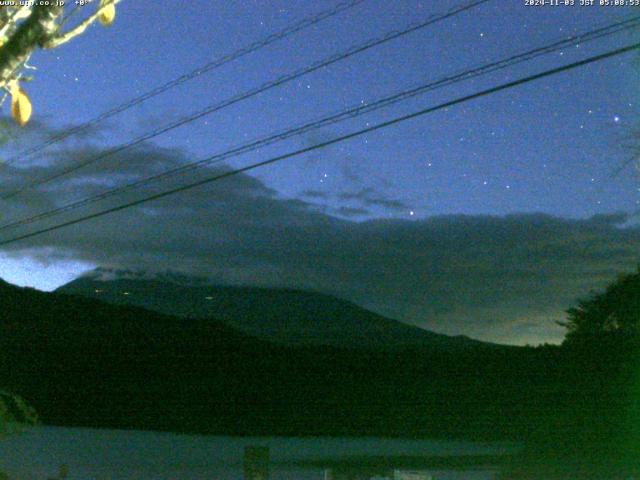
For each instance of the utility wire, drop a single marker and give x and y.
(620, 168)
(353, 111)
(70, 14)
(610, 177)
(379, 126)
(253, 92)
(207, 67)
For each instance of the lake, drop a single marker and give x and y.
(119, 454)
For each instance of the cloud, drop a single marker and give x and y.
(505, 279)
(316, 194)
(351, 212)
(356, 203)
(369, 197)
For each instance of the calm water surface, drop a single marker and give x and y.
(116, 454)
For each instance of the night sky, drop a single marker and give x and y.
(487, 218)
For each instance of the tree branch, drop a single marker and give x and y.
(79, 29)
(10, 19)
(32, 33)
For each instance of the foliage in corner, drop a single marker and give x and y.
(27, 26)
(609, 316)
(15, 414)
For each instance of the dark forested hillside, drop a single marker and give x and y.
(290, 317)
(83, 362)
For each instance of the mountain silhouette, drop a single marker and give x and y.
(286, 316)
(83, 362)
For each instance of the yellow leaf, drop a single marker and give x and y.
(107, 12)
(20, 107)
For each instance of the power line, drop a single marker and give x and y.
(207, 67)
(255, 91)
(351, 112)
(620, 168)
(334, 140)
(611, 176)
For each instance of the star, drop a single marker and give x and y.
(616, 119)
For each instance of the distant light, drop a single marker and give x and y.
(98, 290)
(125, 293)
(412, 213)
(209, 298)
(616, 119)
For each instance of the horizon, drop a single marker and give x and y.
(149, 273)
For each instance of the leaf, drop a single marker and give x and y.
(15, 414)
(20, 106)
(107, 12)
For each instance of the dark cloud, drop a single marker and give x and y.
(357, 203)
(351, 212)
(369, 197)
(504, 279)
(315, 194)
(16, 140)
